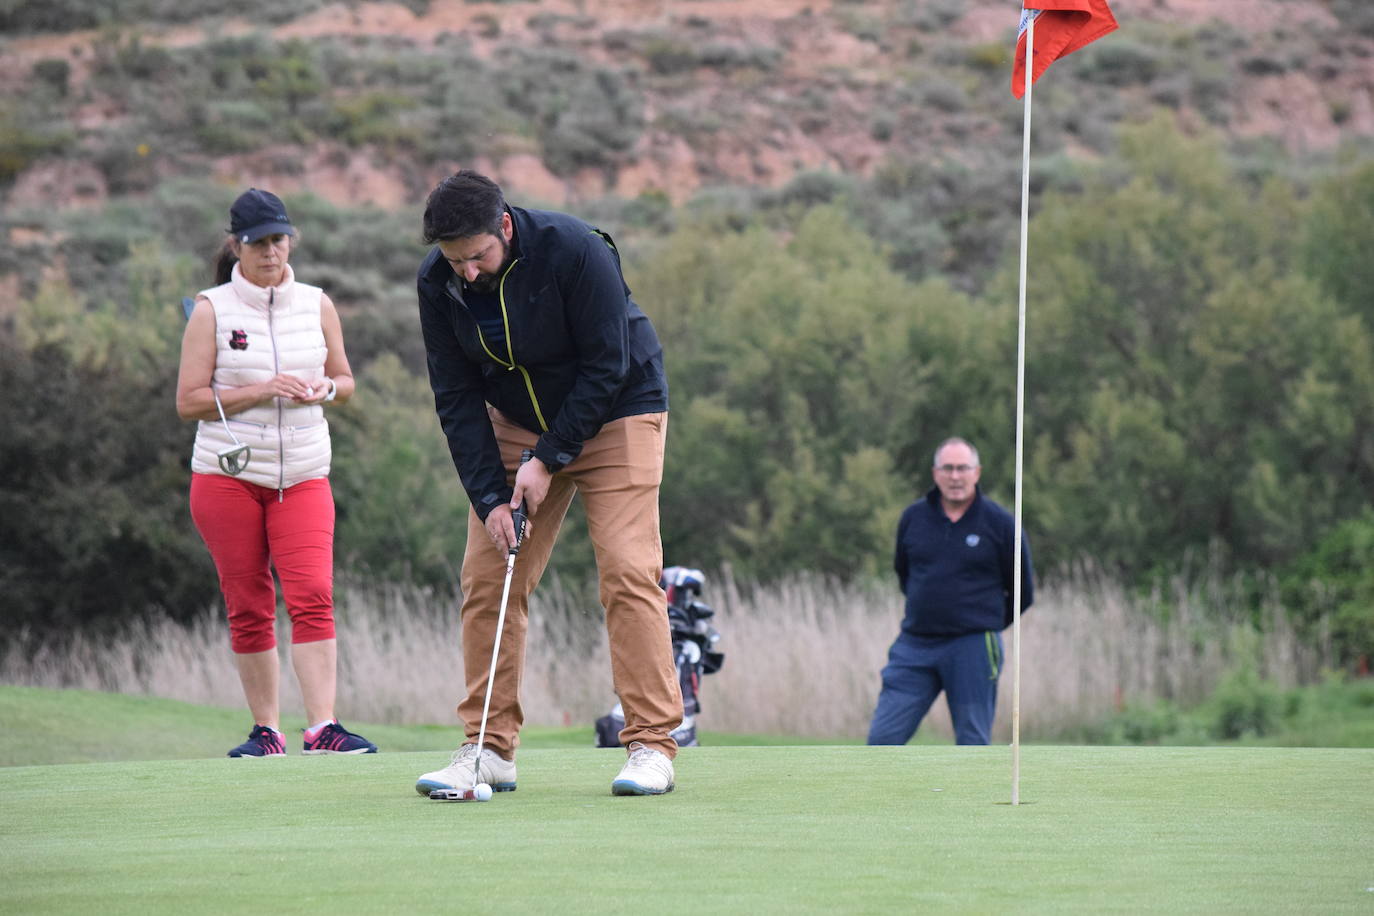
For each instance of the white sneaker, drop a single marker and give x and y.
(647, 772)
(495, 771)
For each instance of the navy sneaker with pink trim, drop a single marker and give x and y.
(335, 739)
(262, 742)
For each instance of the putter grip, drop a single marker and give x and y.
(519, 516)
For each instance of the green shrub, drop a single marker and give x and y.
(1263, 65)
(727, 57)
(55, 72)
(1334, 584)
(18, 16)
(232, 126)
(811, 189)
(1119, 62)
(943, 95)
(668, 55)
(1244, 705)
(582, 116)
(127, 59)
(990, 57)
(94, 530)
(1143, 724)
(22, 143)
(1354, 16)
(371, 118)
(882, 127)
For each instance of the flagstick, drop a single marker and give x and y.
(1020, 433)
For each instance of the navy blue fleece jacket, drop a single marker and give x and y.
(957, 576)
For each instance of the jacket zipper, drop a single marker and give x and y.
(510, 364)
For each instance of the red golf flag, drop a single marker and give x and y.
(1061, 27)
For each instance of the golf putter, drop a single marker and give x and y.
(234, 459)
(519, 517)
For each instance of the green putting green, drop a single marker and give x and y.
(749, 829)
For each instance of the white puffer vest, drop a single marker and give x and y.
(260, 332)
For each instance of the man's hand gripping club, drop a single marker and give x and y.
(507, 525)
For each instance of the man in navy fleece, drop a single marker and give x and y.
(954, 560)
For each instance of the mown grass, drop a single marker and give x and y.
(760, 829)
(749, 829)
(85, 726)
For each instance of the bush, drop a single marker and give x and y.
(1335, 583)
(1119, 62)
(1355, 16)
(943, 95)
(93, 517)
(55, 72)
(1141, 723)
(371, 118)
(232, 126)
(21, 144)
(667, 55)
(18, 16)
(1244, 705)
(992, 57)
(582, 116)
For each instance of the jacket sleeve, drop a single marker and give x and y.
(598, 317)
(1008, 573)
(459, 401)
(899, 561)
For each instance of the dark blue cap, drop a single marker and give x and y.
(257, 213)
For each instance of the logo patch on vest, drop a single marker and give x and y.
(971, 540)
(238, 340)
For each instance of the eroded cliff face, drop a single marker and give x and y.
(758, 92)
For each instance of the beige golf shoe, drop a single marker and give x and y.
(494, 770)
(647, 772)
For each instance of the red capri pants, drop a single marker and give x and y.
(249, 531)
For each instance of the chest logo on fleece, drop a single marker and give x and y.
(971, 540)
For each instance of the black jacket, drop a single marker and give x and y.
(578, 352)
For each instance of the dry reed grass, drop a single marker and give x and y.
(802, 657)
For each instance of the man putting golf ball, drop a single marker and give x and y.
(534, 343)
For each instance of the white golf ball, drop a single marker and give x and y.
(481, 792)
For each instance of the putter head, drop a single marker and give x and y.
(234, 459)
(460, 795)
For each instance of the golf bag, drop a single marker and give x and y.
(694, 652)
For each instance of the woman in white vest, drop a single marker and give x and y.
(261, 358)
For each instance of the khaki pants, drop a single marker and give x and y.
(618, 474)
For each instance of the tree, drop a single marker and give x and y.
(801, 379)
(1181, 367)
(1337, 237)
(95, 529)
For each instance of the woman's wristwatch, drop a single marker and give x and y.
(333, 390)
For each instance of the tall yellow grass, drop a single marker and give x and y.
(802, 657)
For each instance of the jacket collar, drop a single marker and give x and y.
(259, 297)
(933, 497)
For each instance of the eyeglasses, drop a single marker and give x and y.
(955, 468)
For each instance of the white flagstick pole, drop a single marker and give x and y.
(1020, 424)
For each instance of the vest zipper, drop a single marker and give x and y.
(276, 370)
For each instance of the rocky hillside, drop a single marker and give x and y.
(571, 100)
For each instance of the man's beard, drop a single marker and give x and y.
(487, 283)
